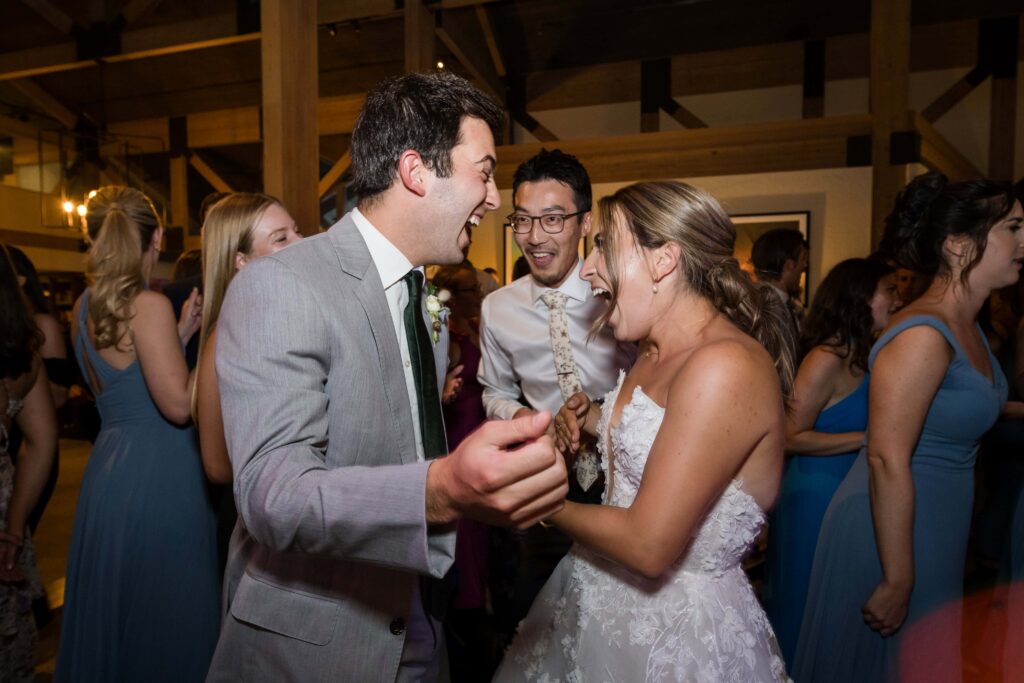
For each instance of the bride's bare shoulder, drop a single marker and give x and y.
(731, 368)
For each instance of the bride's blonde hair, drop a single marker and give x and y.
(656, 213)
(120, 222)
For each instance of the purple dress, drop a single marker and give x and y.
(463, 415)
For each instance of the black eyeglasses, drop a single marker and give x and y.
(551, 223)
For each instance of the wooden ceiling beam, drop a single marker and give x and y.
(12, 126)
(935, 46)
(888, 97)
(47, 103)
(204, 169)
(334, 12)
(419, 37)
(458, 37)
(137, 8)
(955, 93)
(492, 44)
(223, 127)
(333, 175)
(161, 39)
(756, 148)
(54, 16)
(938, 154)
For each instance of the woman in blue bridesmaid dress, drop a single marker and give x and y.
(827, 418)
(143, 592)
(887, 582)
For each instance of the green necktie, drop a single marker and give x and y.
(424, 372)
(435, 594)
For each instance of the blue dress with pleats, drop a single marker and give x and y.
(142, 595)
(808, 484)
(835, 644)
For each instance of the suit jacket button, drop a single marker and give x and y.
(398, 627)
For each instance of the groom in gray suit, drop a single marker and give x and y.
(330, 368)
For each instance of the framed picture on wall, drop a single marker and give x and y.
(512, 252)
(751, 226)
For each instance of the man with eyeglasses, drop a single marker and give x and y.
(534, 340)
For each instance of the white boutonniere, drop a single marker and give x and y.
(436, 309)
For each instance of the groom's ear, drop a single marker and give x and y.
(413, 172)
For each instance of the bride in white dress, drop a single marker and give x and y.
(692, 446)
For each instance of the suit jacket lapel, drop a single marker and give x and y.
(355, 260)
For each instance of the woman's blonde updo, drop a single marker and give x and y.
(120, 222)
(656, 213)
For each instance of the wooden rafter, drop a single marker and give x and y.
(136, 8)
(955, 93)
(756, 148)
(492, 44)
(685, 117)
(211, 176)
(334, 174)
(162, 39)
(46, 102)
(473, 56)
(938, 154)
(53, 15)
(419, 37)
(888, 97)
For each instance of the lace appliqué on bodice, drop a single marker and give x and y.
(595, 620)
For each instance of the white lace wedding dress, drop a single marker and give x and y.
(596, 621)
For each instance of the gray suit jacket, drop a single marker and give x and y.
(331, 499)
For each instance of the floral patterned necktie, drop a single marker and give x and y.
(568, 376)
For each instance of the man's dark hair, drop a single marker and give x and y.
(556, 165)
(773, 248)
(35, 293)
(416, 111)
(21, 338)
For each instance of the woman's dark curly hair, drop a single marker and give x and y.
(931, 208)
(20, 338)
(840, 315)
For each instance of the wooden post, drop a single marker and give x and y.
(291, 150)
(179, 200)
(814, 79)
(419, 37)
(890, 64)
(997, 43)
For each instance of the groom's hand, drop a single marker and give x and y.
(506, 473)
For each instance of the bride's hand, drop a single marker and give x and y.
(569, 422)
(886, 609)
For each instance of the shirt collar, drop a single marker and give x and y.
(574, 286)
(392, 265)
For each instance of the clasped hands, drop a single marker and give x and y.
(506, 473)
(570, 423)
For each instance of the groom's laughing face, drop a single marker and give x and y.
(462, 199)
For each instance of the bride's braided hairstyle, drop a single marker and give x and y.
(660, 212)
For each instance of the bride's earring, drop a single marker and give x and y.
(654, 288)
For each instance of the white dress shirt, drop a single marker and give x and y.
(420, 658)
(392, 266)
(517, 366)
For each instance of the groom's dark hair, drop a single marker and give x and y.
(420, 111)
